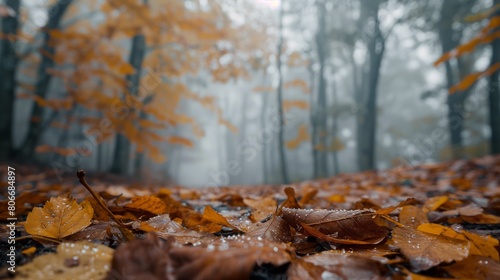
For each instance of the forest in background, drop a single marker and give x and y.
(247, 92)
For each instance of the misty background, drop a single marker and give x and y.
(227, 92)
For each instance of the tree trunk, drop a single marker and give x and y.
(35, 129)
(494, 93)
(335, 130)
(312, 117)
(8, 66)
(321, 119)
(263, 120)
(281, 142)
(449, 39)
(121, 156)
(367, 115)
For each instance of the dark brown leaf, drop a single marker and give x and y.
(341, 226)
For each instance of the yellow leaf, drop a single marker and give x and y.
(302, 136)
(263, 89)
(177, 140)
(300, 104)
(126, 69)
(299, 83)
(433, 203)
(60, 216)
(30, 251)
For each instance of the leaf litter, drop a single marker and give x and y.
(402, 223)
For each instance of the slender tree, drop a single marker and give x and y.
(8, 66)
(121, 156)
(367, 96)
(494, 91)
(449, 38)
(281, 132)
(56, 13)
(320, 119)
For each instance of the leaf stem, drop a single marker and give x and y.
(125, 231)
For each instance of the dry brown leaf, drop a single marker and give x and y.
(412, 216)
(290, 201)
(60, 216)
(142, 259)
(480, 245)
(262, 207)
(24, 203)
(276, 229)
(308, 195)
(81, 260)
(475, 267)
(149, 203)
(326, 265)
(425, 250)
(233, 258)
(341, 226)
(210, 214)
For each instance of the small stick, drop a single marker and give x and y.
(125, 231)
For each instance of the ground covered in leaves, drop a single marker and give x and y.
(422, 222)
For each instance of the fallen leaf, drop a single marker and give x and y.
(80, 260)
(29, 251)
(425, 250)
(262, 207)
(275, 229)
(233, 258)
(341, 226)
(149, 203)
(480, 245)
(60, 216)
(142, 259)
(210, 214)
(475, 267)
(412, 216)
(433, 203)
(326, 265)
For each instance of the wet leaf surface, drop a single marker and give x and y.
(425, 222)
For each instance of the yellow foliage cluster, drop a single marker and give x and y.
(180, 40)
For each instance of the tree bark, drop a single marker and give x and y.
(121, 156)
(449, 39)
(367, 115)
(320, 121)
(8, 66)
(281, 134)
(35, 129)
(494, 93)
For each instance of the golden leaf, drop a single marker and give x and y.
(299, 104)
(302, 136)
(177, 140)
(60, 216)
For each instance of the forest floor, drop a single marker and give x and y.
(422, 222)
